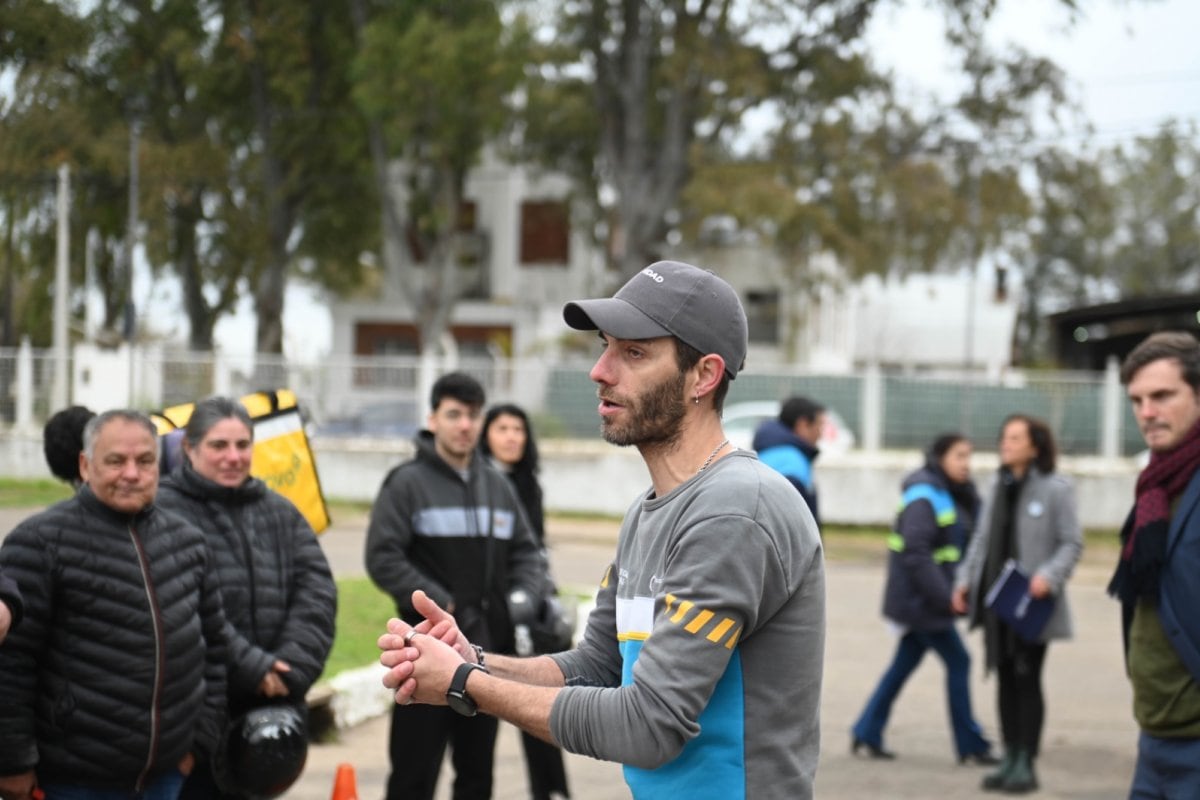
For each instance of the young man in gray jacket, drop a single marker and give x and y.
(700, 668)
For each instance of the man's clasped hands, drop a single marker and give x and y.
(421, 659)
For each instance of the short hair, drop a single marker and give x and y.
(1177, 345)
(457, 386)
(687, 357)
(943, 442)
(1042, 438)
(91, 431)
(62, 441)
(799, 408)
(211, 410)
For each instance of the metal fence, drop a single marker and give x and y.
(376, 396)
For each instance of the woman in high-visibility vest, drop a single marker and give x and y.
(938, 507)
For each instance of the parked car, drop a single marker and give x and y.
(741, 420)
(394, 420)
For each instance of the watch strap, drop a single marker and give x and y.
(456, 696)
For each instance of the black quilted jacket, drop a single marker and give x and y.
(279, 596)
(116, 671)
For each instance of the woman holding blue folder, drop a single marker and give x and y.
(1029, 516)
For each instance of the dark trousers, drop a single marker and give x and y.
(1019, 696)
(968, 737)
(418, 741)
(544, 763)
(1167, 769)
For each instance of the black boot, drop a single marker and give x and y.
(994, 781)
(1021, 778)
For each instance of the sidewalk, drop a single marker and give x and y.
(1088, 744)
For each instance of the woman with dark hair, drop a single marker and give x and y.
(937, 512)
(276, 586)
(1029, 516)
(507, 442)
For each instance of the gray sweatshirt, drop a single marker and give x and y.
(700, 667)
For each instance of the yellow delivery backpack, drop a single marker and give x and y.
(282, 457)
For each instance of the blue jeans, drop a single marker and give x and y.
(968, 737)
(1167, 769)
(164, 787)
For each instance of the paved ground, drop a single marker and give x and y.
(1089, 740)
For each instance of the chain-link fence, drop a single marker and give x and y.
(386, 396)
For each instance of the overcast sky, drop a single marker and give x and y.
(1132, 63)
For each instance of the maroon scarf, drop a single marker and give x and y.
(1144, 542)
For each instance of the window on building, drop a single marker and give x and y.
(762, 315)
(545, 232)
(416, 244)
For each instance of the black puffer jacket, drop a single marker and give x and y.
(279, 595)
(117, 669)
(11, 595)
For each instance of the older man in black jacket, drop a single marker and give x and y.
(115, 678)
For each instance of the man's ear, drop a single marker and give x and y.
(709, 371)
(83, 467)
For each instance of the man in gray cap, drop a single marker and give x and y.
(700, 667)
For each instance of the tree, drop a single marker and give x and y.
(433, 81)
(1069, 233)
(666, 86)
(40, 47)
(653, 79)
(296, 195)
(1156, 242)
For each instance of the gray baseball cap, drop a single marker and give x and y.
(670, 298)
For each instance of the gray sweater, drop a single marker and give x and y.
(700, 668)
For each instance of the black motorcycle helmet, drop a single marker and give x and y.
(265, 750)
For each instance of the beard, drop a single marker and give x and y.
(653, 417)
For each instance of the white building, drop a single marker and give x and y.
(532, 257)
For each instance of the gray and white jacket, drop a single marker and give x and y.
(1049, 542)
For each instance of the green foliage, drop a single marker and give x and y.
(1156, 247)
(31, 494)
(362, 615)
(268, 129)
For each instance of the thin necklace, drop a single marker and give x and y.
(711, 456)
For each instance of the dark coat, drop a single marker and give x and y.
(925, 549)
(279, 596)
(118, 668)
(465, 542)
(1179, 591)
(782, 450)
(11, 595)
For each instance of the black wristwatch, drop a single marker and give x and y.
(456, 696)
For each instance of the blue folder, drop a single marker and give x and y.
(1009, 599)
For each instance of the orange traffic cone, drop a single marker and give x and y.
(344, 786)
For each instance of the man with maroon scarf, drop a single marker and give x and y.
(1158, 575)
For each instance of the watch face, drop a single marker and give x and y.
(456, 696)
(462, 703)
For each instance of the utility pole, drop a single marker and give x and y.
(58, 397)
(130, 316)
